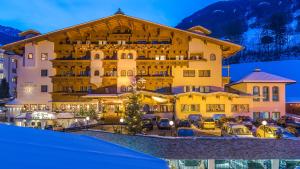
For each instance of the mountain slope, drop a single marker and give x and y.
(269, 29)
(8, 35)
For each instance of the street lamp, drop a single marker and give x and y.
(87, 121)
(171, 123)
(264, 123)
(24, 121)
(121, 121)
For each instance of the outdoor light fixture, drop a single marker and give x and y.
(121, 120)
(171, 123)
(87, 118)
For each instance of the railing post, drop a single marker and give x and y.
(275, 164)
(211, 164)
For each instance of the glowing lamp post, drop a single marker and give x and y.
(171, 123)
(121, 121)
(264, 123)
(87, 121)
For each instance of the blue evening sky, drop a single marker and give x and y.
(49, 15)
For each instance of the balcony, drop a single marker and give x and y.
(72, 58)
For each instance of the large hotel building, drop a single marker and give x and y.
(95, 65)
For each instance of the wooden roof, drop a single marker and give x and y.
(229, 48)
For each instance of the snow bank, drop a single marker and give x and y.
(35, 149)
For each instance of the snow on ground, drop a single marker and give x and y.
(35, 149)
(287, 68)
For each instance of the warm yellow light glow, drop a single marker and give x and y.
(159, 99)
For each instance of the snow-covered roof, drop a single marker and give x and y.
(33, 148)
(258, 76)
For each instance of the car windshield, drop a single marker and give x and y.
(164, 120)
(241, 131)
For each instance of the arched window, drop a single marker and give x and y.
(123, 88)
(97, 56)
(130, 56)
(129, 73)
(256, 93)
(123, 72)
(275, 93)
(96, 73)
(266, 94)
(123, 56)
(213, 57)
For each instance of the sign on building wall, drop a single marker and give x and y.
(215, 107)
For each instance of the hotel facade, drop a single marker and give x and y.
(96, 65)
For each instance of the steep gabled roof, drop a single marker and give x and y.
(230, 47)
(258, 76)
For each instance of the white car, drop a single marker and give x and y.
(236, 130)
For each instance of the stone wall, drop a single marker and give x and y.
(204, 147)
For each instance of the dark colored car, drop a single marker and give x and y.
(147, 124)
(245, 120)
(285, 121)
(164, 123)
(184, 123)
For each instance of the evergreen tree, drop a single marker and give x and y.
(133, 115)
(4, 89)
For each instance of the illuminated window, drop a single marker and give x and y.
(30, 56)
(184, 107)
(204, 73)
(275, 93)
(130, 56)
(129, 73)
(13, 60)
(1, 75)
(256, 93)
(1, 65)
(213, 57)
(266, 94)
(123, 56)
(195, 107)
(188, 73)
(123, 88)
(44, 88)
(44, 56)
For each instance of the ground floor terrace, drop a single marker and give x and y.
(175, 106)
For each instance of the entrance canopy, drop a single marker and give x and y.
(37, 149)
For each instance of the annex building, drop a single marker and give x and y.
(95, 65)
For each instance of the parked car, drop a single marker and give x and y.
(235, 130)
(164, 123)
(273, 131)
(195, 119)
(284, 121)
(148, 124)
(245, 120)
(185, 132)
(184, 123)
(208, 123)
(224, 120)
(217, 117)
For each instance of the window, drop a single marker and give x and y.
(123, 72)
(129, 73)
(13, 60)
(1, 65)
(187, 88)
(266, 94)
(188, 73)
(44, 88)
(44, 56)
(240, 108)
(275, 115)
(275, 93)
(256, 93)
(14, 80)
(204, 73)
(213, 57)
(97, 56)
(184, 107)
(123, 56)
(123, 88)
(30, 56)
(130, 56)
(129, 88)
(215, 107)
(96, 73)
(44, 72)
(1, 76)
(195, 107)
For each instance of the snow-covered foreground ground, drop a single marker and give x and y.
(287, 68)
(41, 149)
